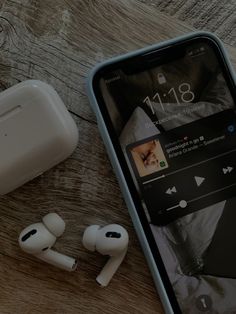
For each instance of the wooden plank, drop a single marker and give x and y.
(58, 42)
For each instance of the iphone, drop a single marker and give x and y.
(167, 116)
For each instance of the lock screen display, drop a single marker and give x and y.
(176, 125)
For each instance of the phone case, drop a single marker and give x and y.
(115, 163)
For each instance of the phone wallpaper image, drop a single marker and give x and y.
(176, 126)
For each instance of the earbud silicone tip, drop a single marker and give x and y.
(89, 237)
(54, 223)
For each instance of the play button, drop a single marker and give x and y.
(199, 180)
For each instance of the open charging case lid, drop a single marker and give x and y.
(36, 133)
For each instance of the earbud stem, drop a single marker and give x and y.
(59, 260)
(109, 269)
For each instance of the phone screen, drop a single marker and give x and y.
(176, 124)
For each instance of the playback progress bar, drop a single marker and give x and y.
(184, 203)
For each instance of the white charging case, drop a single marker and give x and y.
(36, 133)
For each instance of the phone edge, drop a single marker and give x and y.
(115, 162)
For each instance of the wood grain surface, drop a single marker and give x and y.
(58, 42)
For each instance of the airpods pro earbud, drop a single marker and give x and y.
(38, 238)
(109, 240)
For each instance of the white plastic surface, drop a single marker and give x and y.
(34, 238)
(36, 133)
(58, 260)
(116, 245)
(110, 269)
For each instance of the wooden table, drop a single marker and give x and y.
(58, 42)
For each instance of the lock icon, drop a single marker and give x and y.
(161, 78)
